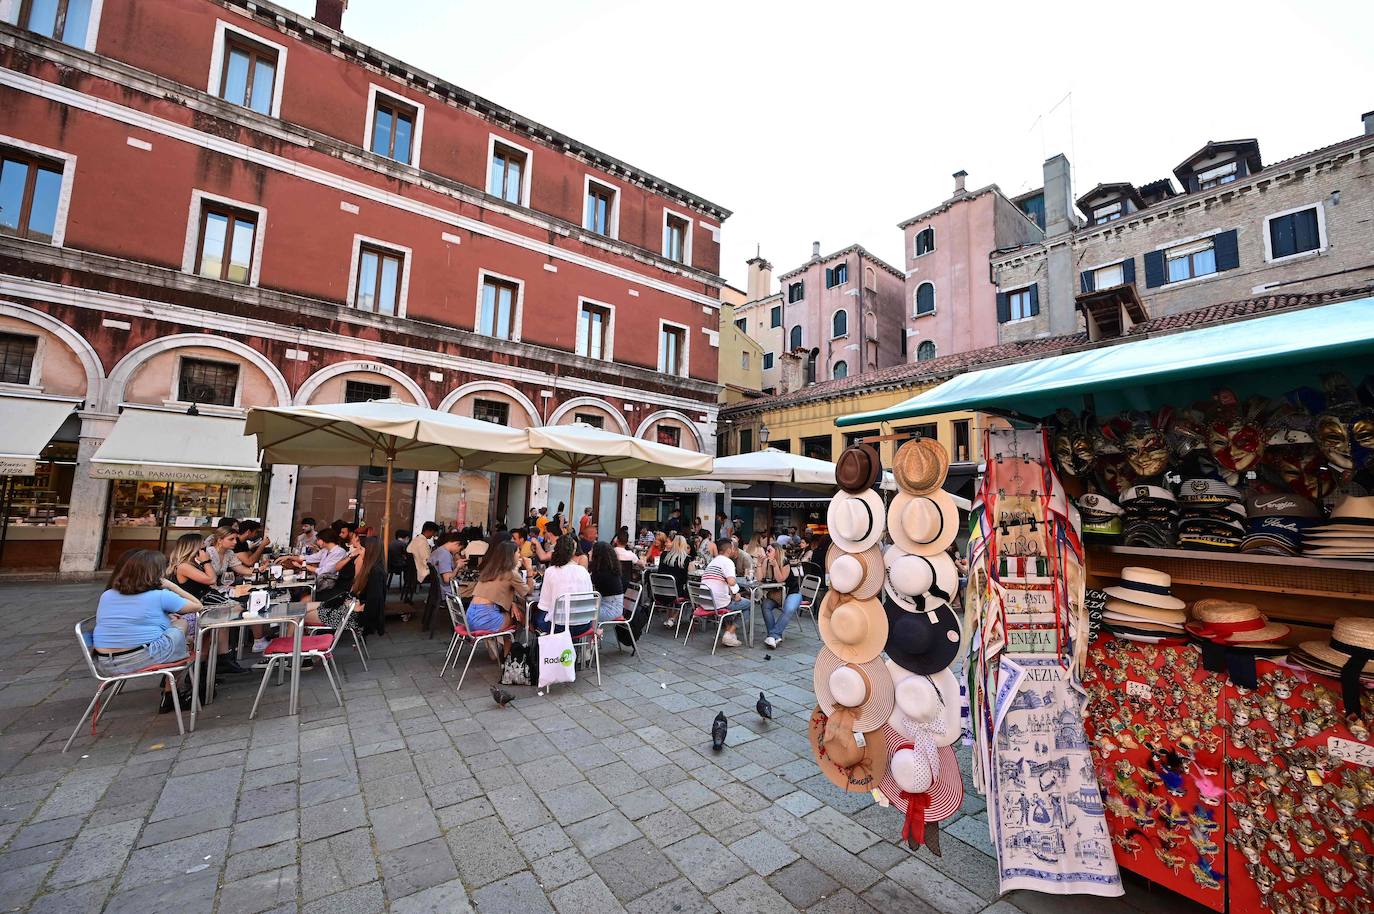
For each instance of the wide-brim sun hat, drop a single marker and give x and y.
(1145, 586)
(844, 763)
(912, 702)
(1349, 636)
(923, 524)
(922, 642)
(1232, 622)
(908, 768)
(855, 522)
(919, 467)
(856, 630)
(918, 582)
(856, 574)
(858, 468)
(1129, 610)
(865, 688)
(1354, 510)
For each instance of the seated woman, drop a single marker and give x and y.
(139, 621)
(369, 586)
(504, 579)
(777, 612)
(607, 580)
(189, 568)
(676, 563)
(658, 547)
(563, 576)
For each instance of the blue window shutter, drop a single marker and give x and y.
(1228, 252)
(1085, 281)
(1128, 270)
(1305, 232)
(1003, 308)
(1035, 298)
(1154, 269)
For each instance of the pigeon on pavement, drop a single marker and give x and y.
(719, 727)
(501, 696)
(764, 707)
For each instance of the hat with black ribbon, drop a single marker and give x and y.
(1351, 650)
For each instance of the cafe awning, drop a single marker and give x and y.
(166, 446)
(29, 424)
(1171, 367)
(693, 487)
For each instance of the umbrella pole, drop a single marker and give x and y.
(386, 514)
(770, 511)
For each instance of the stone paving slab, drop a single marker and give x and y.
(417, 799)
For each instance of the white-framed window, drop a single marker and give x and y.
(595, 329)
(839, 324)
(247, 69)
(923, 302)
(600, 207)
(1295, 232)
(206, 382)
(379, 277)
(1188, 261)
(1107, 213)
(677, 236)
(1214, 177)
(508, 170)
(924, 242)
(673, 348)
(73, 22)
(1020, 304)
(35, 190)
(841, 370)
(1106, 277)
(224, 239)
(500, 305)
(394, 126)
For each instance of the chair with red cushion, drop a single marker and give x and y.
(663, 593)
(84, 632)
(704, 610)
(465, 636)
(313, 647)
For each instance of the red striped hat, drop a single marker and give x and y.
(946, 792)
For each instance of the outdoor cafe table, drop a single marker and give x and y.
(232, 615)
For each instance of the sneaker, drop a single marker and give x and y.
(260, 645)
(669, 623)
(770, 641)
(729, 639)
(777, 640)
(228, 663)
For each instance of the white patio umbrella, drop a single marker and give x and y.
(772, 466)
(580, 449)
(387, 432)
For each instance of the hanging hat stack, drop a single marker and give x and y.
(1141, 608)
(1349, 534)
(1151, 514)
(1276, 523)
(1211, 515)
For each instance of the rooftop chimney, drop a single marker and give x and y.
(815, 250)
(959, 177)
(1368, 117)
(1058, 196)
(330, 13)
(760, 278)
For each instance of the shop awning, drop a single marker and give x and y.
(155, 444)
(693, 487)
(29, 424)
(1169, 368)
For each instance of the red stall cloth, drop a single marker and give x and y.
(1261, 798)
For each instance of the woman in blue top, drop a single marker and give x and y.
(139, 620)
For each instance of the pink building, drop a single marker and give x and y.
(950, 300)
(822, 304)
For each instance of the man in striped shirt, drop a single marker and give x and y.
(719, 578)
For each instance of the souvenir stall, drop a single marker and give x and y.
(1174, 547)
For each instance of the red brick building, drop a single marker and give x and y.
(225, 204)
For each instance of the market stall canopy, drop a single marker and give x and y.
(1174, 367)
(171, 446)
(373, 432)
(29, 424)
(579, 449)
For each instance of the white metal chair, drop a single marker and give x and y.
(627, 614)
(313, 647)
(703, 607)
(662, 593)
(359, 642)
(84, 630)
(463, 635)
(574, 610)
(810, 589)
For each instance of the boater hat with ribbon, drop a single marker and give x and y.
(1350, 650)
(857, 574)
(855, 521)
(1228, 622)
(1146, 587)
(849, 760)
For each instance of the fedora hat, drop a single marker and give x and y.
(855, 630)
(913, 696)
(1145, 586)
(920, 466)
(922, 642)
(856, 574)
(844, 762)
(1229, 622)
(855, 521)
(858, 468)
(909, 768)
(916, 582)
(865, 688)
(923, 524)
(1126, 609)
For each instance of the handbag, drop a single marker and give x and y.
(516, 668)
(557, 659)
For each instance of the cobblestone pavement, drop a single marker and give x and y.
(414, 798)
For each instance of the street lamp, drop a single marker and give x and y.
(763, 437)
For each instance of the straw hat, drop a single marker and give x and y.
(923, 524)
(858, 468)
(855, 630)
(842, 760)
(1349, 636)
(907, 768)
(923, 642)
(855, 521)
(865, 688)
(920, 466)
(1229, 622)
(916, 582)
(857, 574)
(1145, 586)
(1136, 627)
(1128, 610)
(1354, 510)
(913, 698)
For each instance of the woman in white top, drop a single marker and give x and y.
(564, 575)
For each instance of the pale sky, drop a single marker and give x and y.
(832, 122)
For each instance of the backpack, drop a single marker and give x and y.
(521, 666)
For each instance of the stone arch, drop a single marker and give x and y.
(329, 372)
(653, 418)
(83, 350)
(570, 405)
(127, 366)
(472, 387)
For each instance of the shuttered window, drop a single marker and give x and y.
(1294, 233)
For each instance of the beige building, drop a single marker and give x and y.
(741, 356)
(762, 317)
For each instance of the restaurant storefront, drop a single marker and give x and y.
(37, 460)
(577, 493)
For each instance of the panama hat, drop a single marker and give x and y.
(922, 642)
(858, 468)
(855, 630)
(1145, 586)
(919, 467)
(916, 582)
(1229, 622)
(1125, 609)
(865, 688)
(921, 698)
(844, 761)
(923, 524)
(909, 768)
(855, 521)
(857, 574)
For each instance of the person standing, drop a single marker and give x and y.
(583, 522)
(674, 525)
(719, 578)
(541, 521)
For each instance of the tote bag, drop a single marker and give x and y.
(557, 659)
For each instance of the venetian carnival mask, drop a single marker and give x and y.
(1235, 434)
(1144, 442)
(1300, 469)
(1073, 447)
(1344, 429)
(1187, 434)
